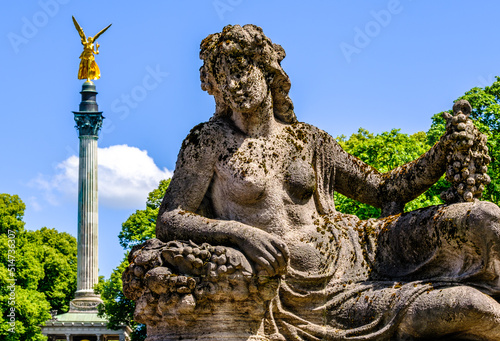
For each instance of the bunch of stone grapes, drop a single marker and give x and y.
(179, 267)
(204, 260)
(468, 157)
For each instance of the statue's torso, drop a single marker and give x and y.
(269, 183)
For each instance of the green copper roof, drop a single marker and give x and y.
(80, 317)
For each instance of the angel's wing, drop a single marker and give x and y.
(79, 29)
(101, 32)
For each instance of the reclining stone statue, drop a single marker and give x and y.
(250, 247)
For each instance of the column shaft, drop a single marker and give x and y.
(87, 275)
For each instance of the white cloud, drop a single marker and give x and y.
(34, 204)
(126, 176)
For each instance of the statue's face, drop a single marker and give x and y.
(241, 83)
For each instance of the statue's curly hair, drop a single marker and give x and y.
(251, 42)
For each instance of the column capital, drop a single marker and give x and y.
(88, 123)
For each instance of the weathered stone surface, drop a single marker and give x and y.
(197, 291)
(250, 246)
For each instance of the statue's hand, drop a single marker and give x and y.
(265, 250)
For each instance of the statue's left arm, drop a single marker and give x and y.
(405, 183)
(392, 190)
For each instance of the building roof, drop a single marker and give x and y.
(80, 323)
(79, 317)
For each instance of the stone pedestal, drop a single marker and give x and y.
(221, 299)
(224, 324)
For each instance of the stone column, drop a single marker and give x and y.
(88, 121)
(87, 215)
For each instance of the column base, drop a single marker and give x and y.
(85, 301)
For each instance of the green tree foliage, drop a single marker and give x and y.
(11, 213)
(45, 272)
(139, 227)
(391, 149)
(117, 308)
(386, 151)
(56, 253)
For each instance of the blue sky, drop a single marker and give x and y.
(372, 64)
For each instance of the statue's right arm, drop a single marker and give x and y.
(178, 220)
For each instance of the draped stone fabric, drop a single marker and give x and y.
(375, 269)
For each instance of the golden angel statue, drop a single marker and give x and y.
(88, 67)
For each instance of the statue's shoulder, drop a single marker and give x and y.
(316, 134)
(203, 143)
(206, 133)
